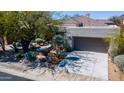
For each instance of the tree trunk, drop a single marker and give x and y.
(2, 43)
(5, 40)
(3, 47)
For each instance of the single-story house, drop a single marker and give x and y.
(89, 38)
(86, 34)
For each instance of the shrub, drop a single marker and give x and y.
(119, 42)
(119, 61)
(67, 47)
(117, 45)
(107, 40)
(58, 39)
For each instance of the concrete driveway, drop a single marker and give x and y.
(91, 64)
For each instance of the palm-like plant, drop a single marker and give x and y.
(59, 42)
(115, 20)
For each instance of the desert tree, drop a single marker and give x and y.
(26, 26)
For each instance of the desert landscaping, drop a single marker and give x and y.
(34, 46)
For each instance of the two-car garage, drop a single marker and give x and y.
(90, 38)
(89, 44)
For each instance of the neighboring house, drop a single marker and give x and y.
(86, 34)
(81, 21)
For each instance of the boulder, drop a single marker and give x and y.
(119, 61)
(53, 58)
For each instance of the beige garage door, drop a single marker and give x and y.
(89, 44)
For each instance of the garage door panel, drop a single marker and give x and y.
(90, 44)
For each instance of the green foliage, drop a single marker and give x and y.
(8, 21)
(117, 44)
(26, 26)
(115, 20)
(107, 40)
(19, 55)
(67, 47)
(58, 39)
(31, 56)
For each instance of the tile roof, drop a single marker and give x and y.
(86, 21)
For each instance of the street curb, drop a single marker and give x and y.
(19, 71)
(42, 75)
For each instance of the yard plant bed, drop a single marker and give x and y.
(114, 73)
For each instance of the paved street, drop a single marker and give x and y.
(9, 77)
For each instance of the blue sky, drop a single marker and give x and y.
(93, 14)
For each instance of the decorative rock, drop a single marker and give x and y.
(53, 57)
(119, 61)
(25, 61)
